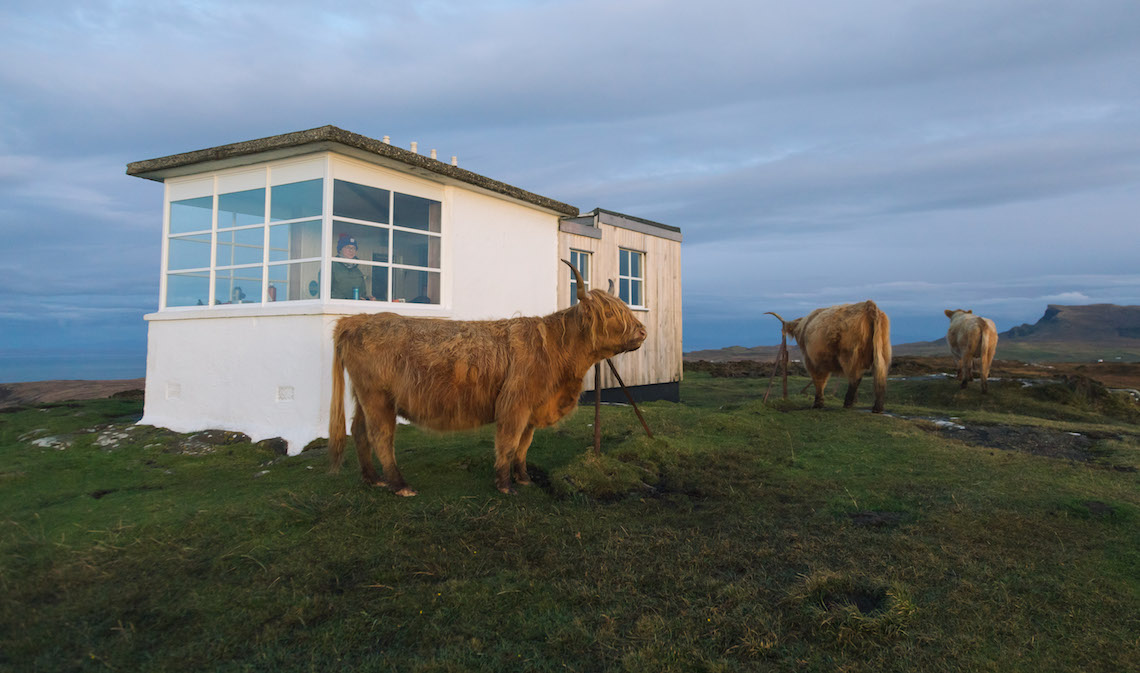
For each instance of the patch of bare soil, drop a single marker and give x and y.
(44, 392)
(1075, 446)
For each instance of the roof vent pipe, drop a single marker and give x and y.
(387, 140)
(433, 154)
(454, 160)
(414, 145)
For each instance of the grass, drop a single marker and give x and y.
(745, 536)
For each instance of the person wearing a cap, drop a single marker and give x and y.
(348, 276)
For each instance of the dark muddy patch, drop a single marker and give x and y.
(1080, 447)
(876, 519)
(867, 601)
(97, 494)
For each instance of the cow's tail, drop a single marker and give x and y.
(336, 409)
(986, 346)
(783, 323)
(881, 353)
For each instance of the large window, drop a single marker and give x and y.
(631, 277)
(386, 245)
(225, 250)
(264, 245)
(579, 260)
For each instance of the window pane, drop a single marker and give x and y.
(241, 208)
(573, 293)
(191, 215)
(360, 202)
(295, 241)
(371, 242)
(189, 252)
(296, 200)
(415, 249)
(239, 246)
(623, 256)
(416, 213)
(238, 286)
(415, 287)
(635, 293)
(635, 264)
(291, 282)
(188, 289)
(623, 290)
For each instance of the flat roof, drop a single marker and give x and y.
(331, 138)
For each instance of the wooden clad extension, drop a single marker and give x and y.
(659, 358)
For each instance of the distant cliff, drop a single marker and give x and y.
(1094, 322)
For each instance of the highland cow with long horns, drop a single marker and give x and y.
(520, 373)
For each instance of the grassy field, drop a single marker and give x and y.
(746, 536)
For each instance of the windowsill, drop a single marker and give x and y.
(643, 309)
(300, 307)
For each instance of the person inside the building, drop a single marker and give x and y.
(348, 280)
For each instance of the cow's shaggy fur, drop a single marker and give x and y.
(971, 337)
(521, 373)
(845, 339)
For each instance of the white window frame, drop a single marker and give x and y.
(631, 278)
(581, 255)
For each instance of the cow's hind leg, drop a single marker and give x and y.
(508, 434)
(852, 391)
(518, 464)
(966, 367)
(820, 381)
(381, 412)
(364, 449)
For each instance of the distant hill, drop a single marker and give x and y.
(1065, 333)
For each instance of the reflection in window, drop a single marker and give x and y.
(188, 289)
(189, 252)
(238, 209)
(191, 215)
(238, 286)
(239, 246)
(414, 212)
(296, 200)
(296, 240)
(292, 282)
(360, 202)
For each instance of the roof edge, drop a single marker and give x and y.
(150, 168)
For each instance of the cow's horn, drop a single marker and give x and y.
(777, 316)
(612, 287)
(578, 279)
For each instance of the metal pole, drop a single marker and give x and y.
(629, 397)
(597, 409)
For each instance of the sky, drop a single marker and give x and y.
(923, 154)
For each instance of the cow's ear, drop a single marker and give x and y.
(949, 313)
(970, 311)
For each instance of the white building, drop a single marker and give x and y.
(242, 337)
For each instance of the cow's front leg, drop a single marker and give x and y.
(508, 432)
(518, 464)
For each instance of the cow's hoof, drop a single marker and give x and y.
(876, 410)
(507, 490)
(375, 482)
(405, 492)
(524, 481)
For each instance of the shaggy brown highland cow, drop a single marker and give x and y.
(846, 339)
(520, 373)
